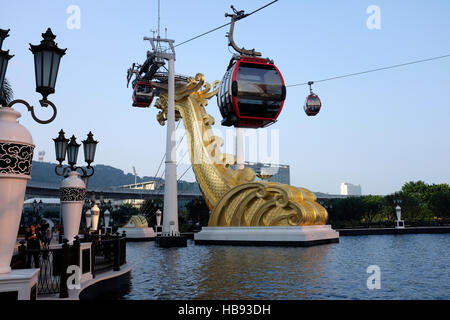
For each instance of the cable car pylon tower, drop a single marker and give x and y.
(170, 232)
(148, 83)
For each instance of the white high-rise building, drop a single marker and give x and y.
(349, 189)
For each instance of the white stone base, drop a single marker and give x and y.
(399, 224)
(20, 281)
(138, 233)
(267, 236)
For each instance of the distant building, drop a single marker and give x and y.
(349, 189)
(280, 172)
(148, 185)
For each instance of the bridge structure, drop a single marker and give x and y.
(42, 190)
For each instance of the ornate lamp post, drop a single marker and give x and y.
(158, 220)
(105, 210)
(16, 143)
(73, 188)
(70, 147)
(47, 57)
(399, 223)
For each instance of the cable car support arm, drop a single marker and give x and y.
(238, 15)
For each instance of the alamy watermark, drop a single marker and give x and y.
(261, 146)
(374, 20)
(374, 280)
(74, 278)
(73, 22)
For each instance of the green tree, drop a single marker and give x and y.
(348, 210)
(440, 203)
(416, 189)
(372, 206)
(427, 198)
(197, 214)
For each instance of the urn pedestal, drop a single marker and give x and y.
(399, 223)
(16, 155)
(73, 192)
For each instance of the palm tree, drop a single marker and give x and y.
(6, 92)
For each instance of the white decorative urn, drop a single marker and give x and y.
(107, 216)
(88, 218)
(398, 211)
(16, 156)
(73, 192)
(158, 217)
(95, 212)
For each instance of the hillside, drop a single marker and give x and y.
(105, 176)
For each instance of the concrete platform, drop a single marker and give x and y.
(19, 284)
(267, 236)
(171, 241)
(105, 285)
(382, 231)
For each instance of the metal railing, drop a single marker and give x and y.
(107, 253)
(50, 262)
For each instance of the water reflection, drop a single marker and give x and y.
(254, 273)
(412, 266)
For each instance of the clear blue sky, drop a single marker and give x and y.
(378, 130)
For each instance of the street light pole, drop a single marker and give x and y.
(73, 187)
(16, 142)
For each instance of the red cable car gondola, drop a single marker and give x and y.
(252, 91)
(143, 94)
(312, 104)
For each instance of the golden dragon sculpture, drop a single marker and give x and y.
(233, 196)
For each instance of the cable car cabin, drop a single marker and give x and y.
(143, 94)
(251, 94)
(312, 105)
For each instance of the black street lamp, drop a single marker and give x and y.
(89, 146)
(72, 151)
(4, 59)
(47, 57)
(70, 148)
(61, 146)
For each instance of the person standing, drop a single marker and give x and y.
(33, 246)
(48, 237)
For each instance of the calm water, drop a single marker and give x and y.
(412, 267)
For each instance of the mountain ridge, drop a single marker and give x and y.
(105, 176)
